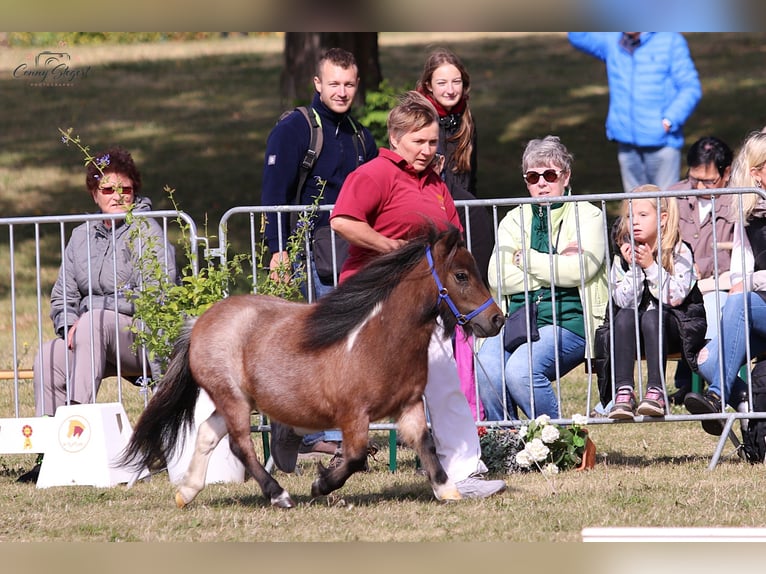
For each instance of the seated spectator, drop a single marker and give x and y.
(569, 308)
(709, 163)
(652, 284)
(91, 313)
(748, 171)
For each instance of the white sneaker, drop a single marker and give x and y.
(476, 486)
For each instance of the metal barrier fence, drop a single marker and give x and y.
(498, 208)
(33, 254)
(243, 226)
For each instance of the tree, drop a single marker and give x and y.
(302, 51)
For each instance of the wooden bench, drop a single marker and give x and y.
(10, 375)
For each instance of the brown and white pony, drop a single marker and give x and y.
(358, 355)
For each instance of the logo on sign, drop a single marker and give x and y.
(74, 434)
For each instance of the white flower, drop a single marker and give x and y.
(580, 420)
(523, 459)
(550, 434)
(523, 431)
(537, 450)
(543, 420)
(550, 469)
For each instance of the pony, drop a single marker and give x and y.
(357, 355)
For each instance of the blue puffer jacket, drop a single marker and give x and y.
(285, 148)
(659, 80)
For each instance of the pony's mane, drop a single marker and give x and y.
(336, 314)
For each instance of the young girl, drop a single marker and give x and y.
(652, 272)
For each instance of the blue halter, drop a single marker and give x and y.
(444, 295)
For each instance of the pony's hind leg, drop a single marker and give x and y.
(241, 445)
(412, 426)
(209, 434)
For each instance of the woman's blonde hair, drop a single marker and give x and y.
(412, 113)
(752, 154)
(669, 232)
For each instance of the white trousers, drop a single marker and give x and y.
(453, 426)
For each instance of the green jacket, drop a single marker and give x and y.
(579, 222)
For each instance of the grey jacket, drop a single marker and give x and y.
(88, 260)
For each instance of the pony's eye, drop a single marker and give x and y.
(461, 276)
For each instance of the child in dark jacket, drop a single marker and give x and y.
(652, 272)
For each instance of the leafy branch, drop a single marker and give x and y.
(162, 304)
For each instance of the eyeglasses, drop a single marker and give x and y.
(550, 175)
(708, 183)
(125, 189)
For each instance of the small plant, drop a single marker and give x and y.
(162, 304)
(499, 448)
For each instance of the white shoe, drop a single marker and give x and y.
(476, 486)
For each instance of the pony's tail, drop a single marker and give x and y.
(169, 414)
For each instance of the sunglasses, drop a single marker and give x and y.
(125, 189)
(550, 175)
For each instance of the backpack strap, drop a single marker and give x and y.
(359, 142)
(315, 146)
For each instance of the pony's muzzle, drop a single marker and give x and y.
(488, 327)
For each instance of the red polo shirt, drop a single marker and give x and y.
(394, 200)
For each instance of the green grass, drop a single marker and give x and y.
(196, 117)
(651, 474)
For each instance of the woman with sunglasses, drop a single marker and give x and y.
(90, 305)
(550, 255)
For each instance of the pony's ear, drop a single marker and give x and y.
(450, 239)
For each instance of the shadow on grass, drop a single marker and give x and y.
(617, 458)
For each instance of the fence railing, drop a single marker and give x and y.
(32, 250)
(35, 247)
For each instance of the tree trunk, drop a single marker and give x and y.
(302, 51)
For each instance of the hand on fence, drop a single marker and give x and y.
(280, 267)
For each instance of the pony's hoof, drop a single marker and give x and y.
(283, 500)
(448, 493)
(316, 489)
(180, 502)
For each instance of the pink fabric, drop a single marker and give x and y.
(464, 360)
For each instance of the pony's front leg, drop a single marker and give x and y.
(355, 441)
(414, 431)
(209, 434)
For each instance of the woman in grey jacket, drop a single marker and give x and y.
(90, 305)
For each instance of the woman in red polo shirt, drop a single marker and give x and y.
(383, 204)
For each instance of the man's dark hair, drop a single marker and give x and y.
(337, 57)
(707, 150)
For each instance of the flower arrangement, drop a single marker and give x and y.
(538, 445)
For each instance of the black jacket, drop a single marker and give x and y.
(690, 318)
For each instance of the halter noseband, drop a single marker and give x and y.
(444, 295)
